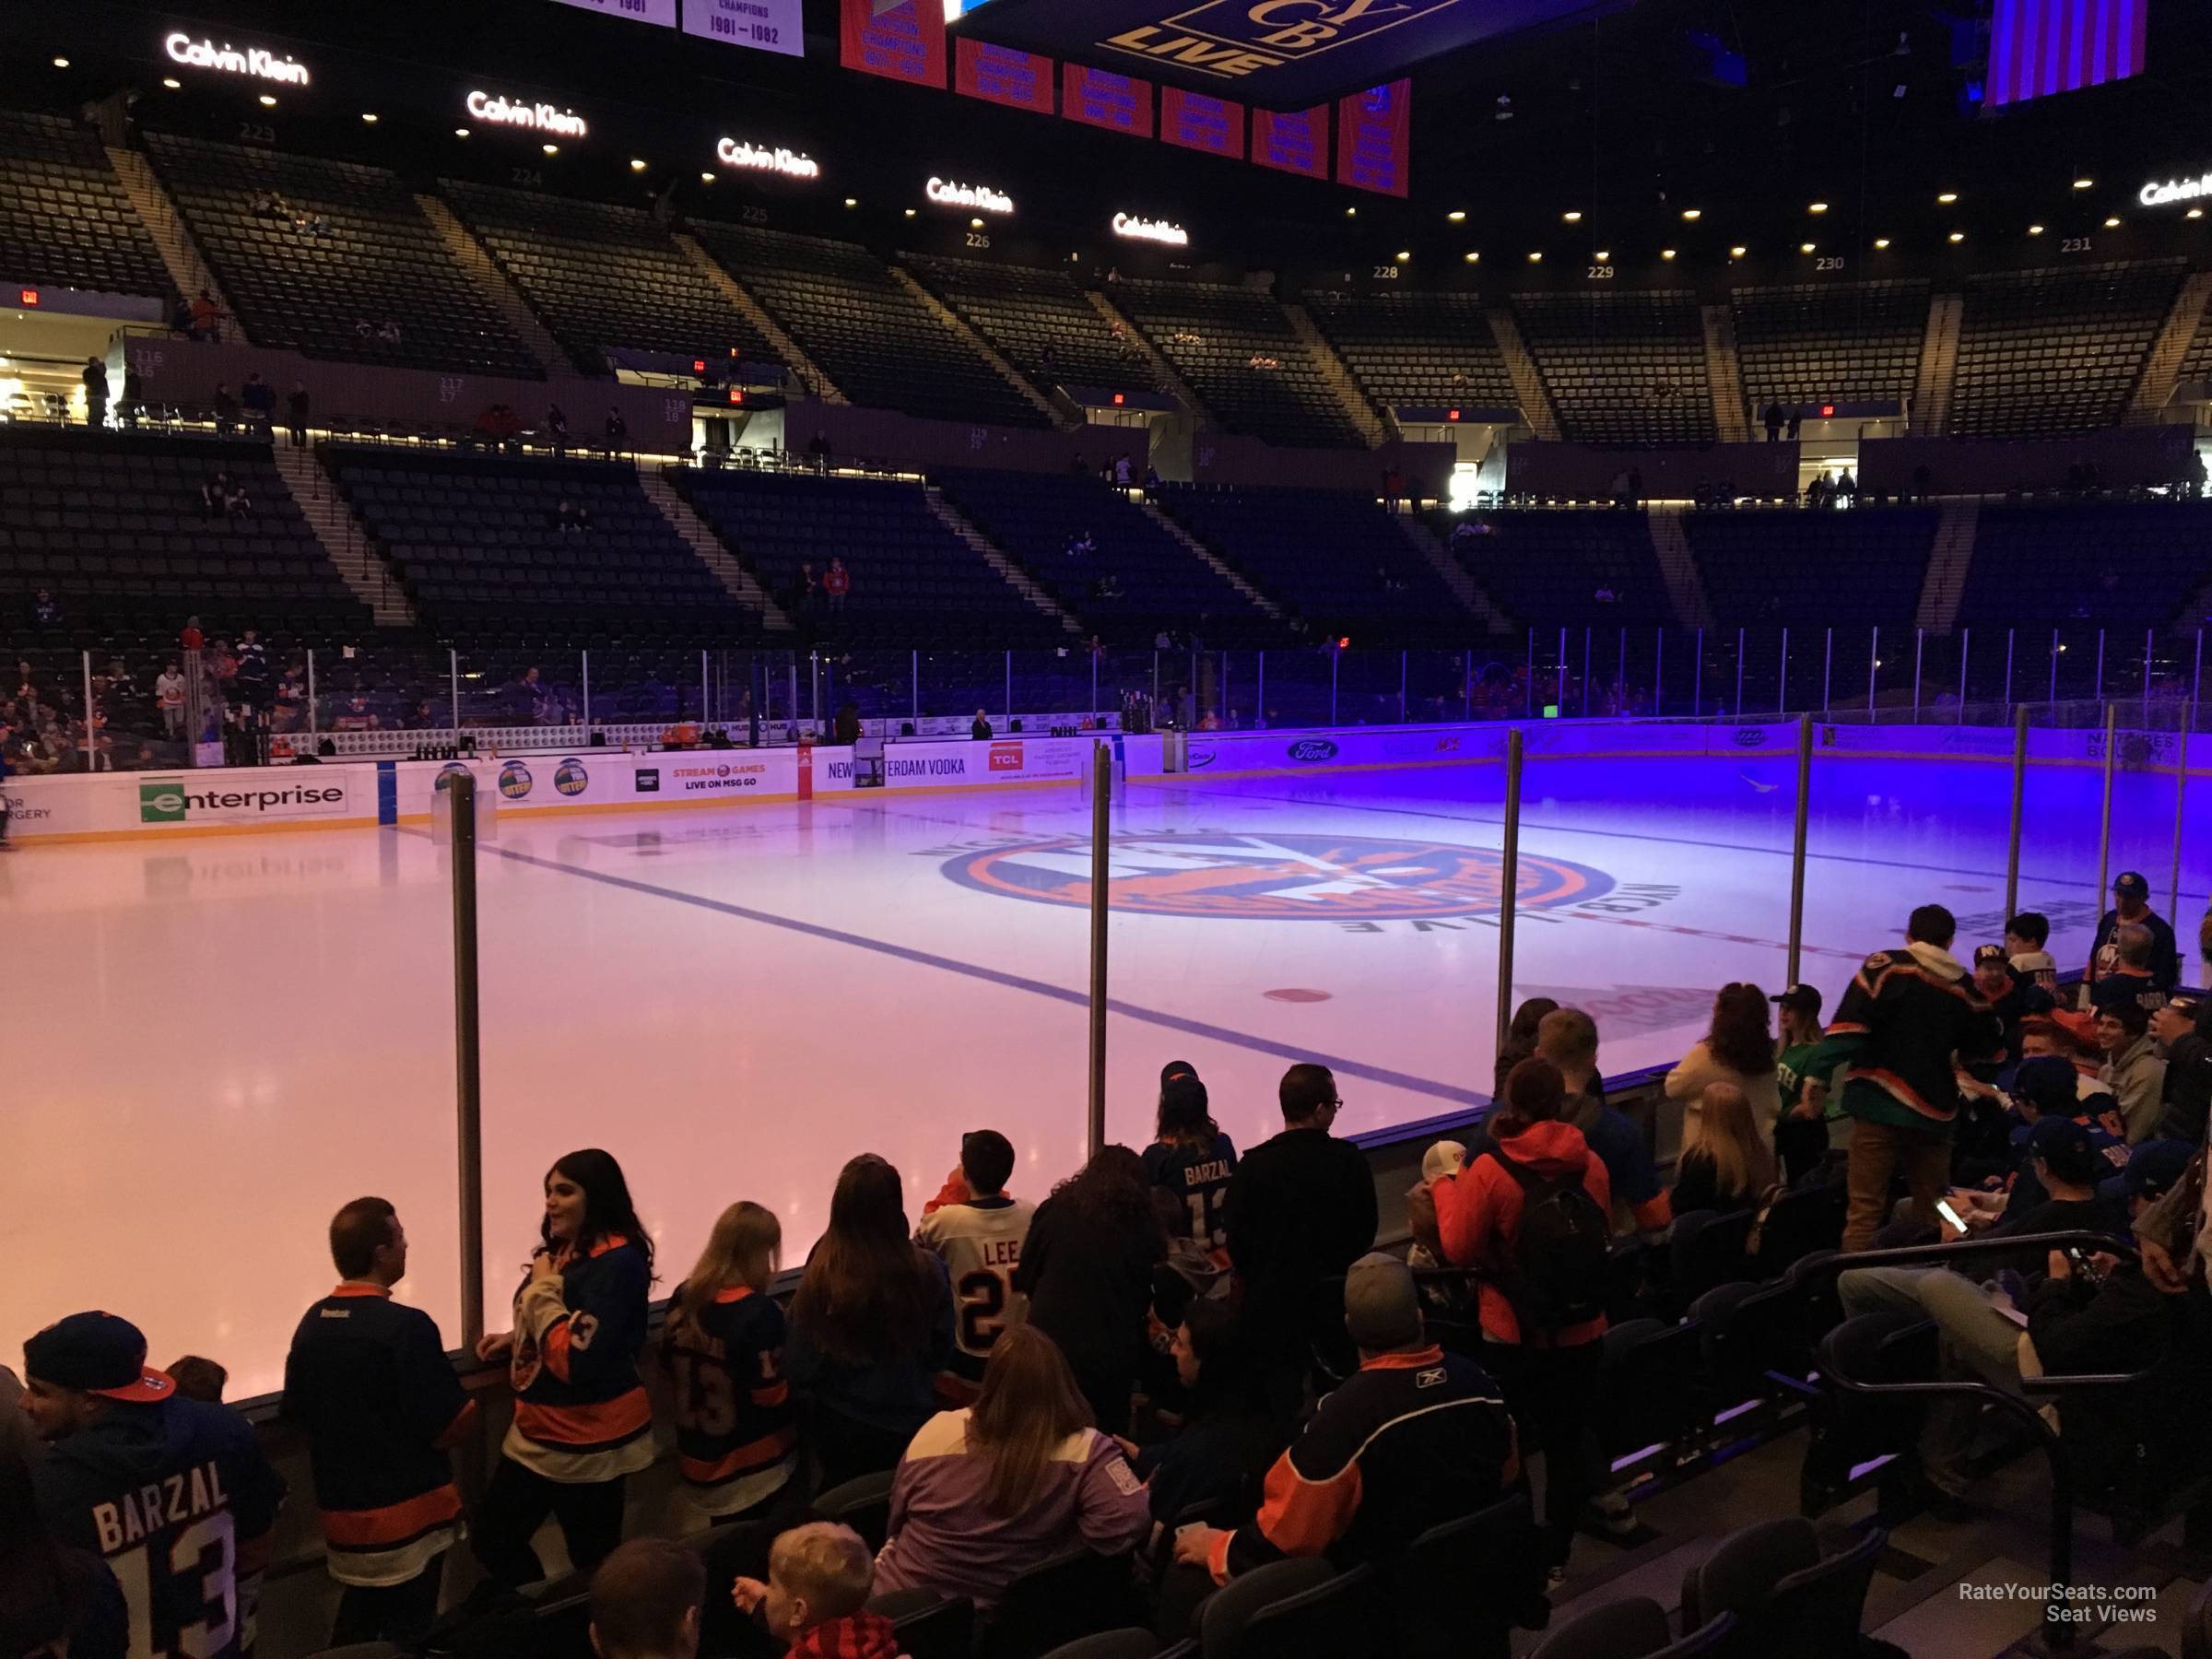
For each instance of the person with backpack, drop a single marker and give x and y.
(1531, 1214)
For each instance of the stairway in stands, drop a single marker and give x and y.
(483, 271)
(1207, 555)
(2162, 369)
(957, 325)
(1950, 556)
(803, 368)
(1163, 372)
(1528, 384)
(1373, 424)
(1938, 366)
(346, 543)
(712, 552)
(1439, 556)
(187, 268)
(959, 522)
(1670, 542)
(1724, 376)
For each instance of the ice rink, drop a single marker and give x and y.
(214, 1043)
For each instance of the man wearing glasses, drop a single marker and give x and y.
(1300, 1211)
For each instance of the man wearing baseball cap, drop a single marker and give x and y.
(176, 1496)
(1804, 1135)
(1414, 1437)
(2131, 904)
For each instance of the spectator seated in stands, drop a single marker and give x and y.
(1415, 1438)
(2132, 1072)
(1214, 1463)
(2101, 1315)
(1728, 1167)
(2182, 1030)
(568, 515)
(388, 332)
(646, 1601)
(870, 1328)
(819, 1579)
(987, 1492)
(45, 611)
(1080, 546)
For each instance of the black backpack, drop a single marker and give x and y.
(1562, 1255)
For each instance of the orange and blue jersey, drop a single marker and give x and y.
(368, 1383)
(736, 1428)
(581, 1414)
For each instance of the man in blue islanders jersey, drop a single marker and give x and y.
(174, 1495)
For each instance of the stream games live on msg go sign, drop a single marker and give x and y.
(1279, 53)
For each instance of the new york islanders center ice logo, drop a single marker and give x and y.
(1277, 877)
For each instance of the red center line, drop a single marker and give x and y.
(1707, 933)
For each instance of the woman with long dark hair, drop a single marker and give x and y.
(1216, 1462)
(582, 1422)
(55, 1603)
(870, 1327)
(1739, 1050)
(737, 1435)
(1087, 1269)
(1520, 1038)
(1192, 1161)
(986, 1493)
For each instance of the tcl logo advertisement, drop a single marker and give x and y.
(1006, 756)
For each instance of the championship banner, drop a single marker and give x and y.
(900, 40)
(660, 12)
(1295, 141)
(1099, 98)
(764, 25)
(999, 75)
(1198, 122)
(1374, 138)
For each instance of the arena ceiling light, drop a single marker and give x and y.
(2112, 223)
(1691, 215)
(1536, 257)
(2195, 212)
(1947, 197)
(1458, 216)
(913, 212)
(636, 164)
(1474, 258)
(2035, 230)
(2083, 183)
(1603, 255)
(851, 201)
(1957, 235)
(1574, 215)
(268, 100)
(1666, 252)
(975, 224)
(1805, 247)
(1815, 207)
(1881, 241)
(1351, 213)
(368, 117)
(61, 63)
(1737, 252)
(706, 178)
(1403, 256)
(460, 132)
(172, 83)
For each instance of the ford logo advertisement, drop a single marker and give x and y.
(1312, 751)
(1750, 736)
